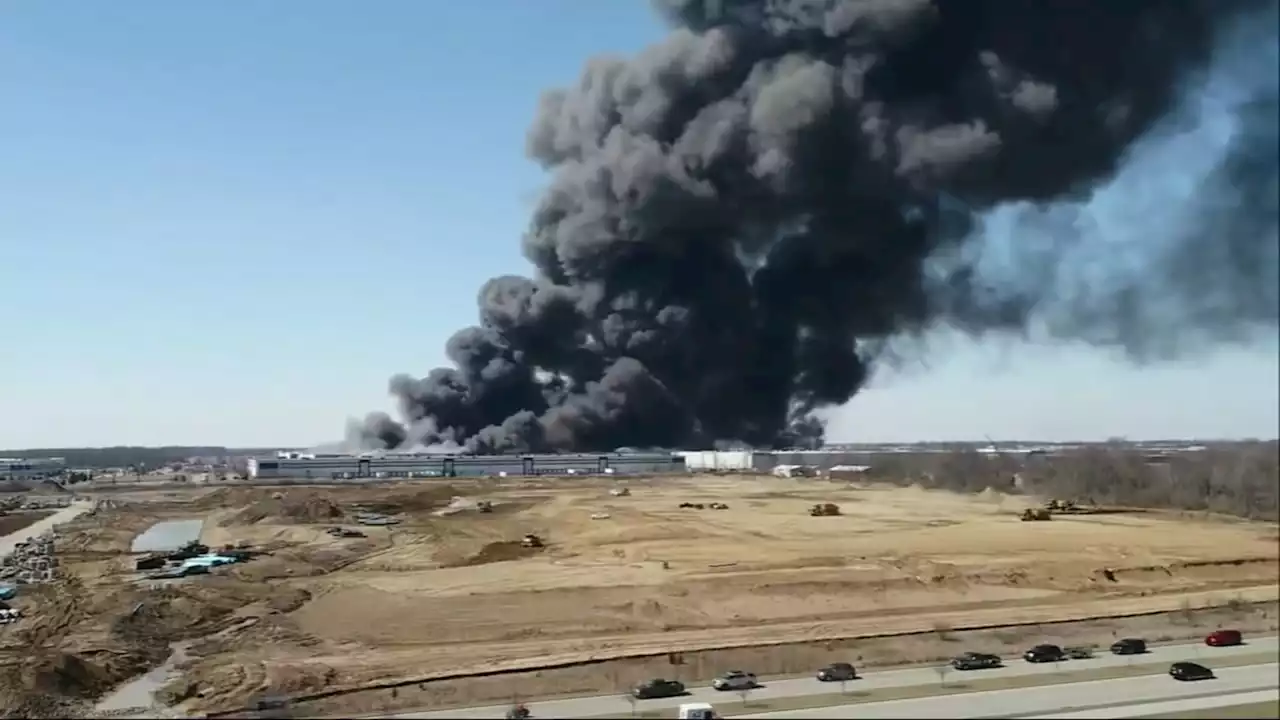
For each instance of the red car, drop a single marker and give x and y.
(1224, 638)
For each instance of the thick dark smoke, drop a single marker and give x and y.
(740, 216)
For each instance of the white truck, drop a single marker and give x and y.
(698, 711)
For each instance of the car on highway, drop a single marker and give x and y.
(837, 672)
(1129, 646)
(735, 680)
(1224, 638)
(976, 661)
(658, 688)
(1044, 654)
(1187, 671)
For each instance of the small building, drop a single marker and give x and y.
(31, 468)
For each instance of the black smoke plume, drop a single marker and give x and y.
(741, 216)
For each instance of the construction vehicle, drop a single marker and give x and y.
(824, 510)
(484, 506)
(531, 541)
(151, 562)
(1036, 515)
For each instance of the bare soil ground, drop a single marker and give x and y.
(444, 592)
(15, 521)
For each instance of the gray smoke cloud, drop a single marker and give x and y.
(741, 217)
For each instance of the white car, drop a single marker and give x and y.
(734, 680)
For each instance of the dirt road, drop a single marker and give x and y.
(67, 514)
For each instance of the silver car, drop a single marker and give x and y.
(735, 680)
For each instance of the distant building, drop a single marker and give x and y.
(31, 468)
(765, 461)
(340, 466)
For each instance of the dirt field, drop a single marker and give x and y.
(13, 522)
(444, 592)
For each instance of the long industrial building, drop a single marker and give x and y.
(31, 468)
(288, 464)
(769, 460)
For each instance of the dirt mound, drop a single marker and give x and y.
(163, 617)
(230, 497)
(50, 685)
(281, 508)
(413, 499)
(499, 552)
(181, 612)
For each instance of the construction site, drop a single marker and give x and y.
(323, 591)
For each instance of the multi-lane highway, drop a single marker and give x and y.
(1106, 698)
(618, 706)
(1162, 707)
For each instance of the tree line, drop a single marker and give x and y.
(1241, 479)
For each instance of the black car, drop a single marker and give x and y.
(658, 688)
(1044, 654)
(837, 672)
(1129, 646)
(1189, 671)
(976, 661)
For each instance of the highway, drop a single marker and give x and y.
(1036, 702)
(618, 706)
(1169, 706)
(1045, 701)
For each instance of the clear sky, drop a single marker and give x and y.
(229, 223)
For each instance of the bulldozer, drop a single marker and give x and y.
(824, 510)
(530, 541)
(1036, 515)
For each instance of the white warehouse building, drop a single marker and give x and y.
(31, 468)
(410, 465)
(767, 460)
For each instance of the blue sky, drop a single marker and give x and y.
(231, 222)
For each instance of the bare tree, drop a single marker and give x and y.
(1237, 478)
